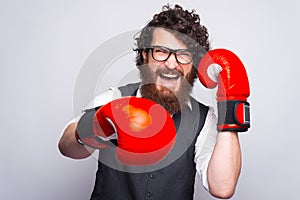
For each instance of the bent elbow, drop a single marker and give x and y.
(223, 193)
(62, 149)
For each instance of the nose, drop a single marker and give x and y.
(171, 62)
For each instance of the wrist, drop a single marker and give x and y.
(78, 138)
(233, 115)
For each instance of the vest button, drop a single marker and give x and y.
(151, 175)
(148, 194)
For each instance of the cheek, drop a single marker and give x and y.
(153, 67)
(186, 70)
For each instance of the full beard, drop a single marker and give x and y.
(172, 101)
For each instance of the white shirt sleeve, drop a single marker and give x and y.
(102, 99)
(205, 145)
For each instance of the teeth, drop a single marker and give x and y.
(173, 76)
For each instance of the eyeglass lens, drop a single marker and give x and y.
(183, 56)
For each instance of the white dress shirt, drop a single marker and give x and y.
(204, 144)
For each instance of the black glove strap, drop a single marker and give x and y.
(85, 128)
(229, 113)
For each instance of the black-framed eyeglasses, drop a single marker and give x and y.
(160, 53)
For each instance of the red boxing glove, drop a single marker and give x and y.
(145, 130)
(233, 88)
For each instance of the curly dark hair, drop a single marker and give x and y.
(183, 23)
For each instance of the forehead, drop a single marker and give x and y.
(162, 37)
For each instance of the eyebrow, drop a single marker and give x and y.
(168, 48)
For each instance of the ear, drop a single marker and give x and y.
(145, 55)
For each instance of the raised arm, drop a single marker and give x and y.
(69, 146)
(222, 68)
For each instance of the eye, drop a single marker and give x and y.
(184, 56)
(185, 53)
(161, 50)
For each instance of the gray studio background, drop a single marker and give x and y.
(44, 44)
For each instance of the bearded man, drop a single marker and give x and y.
(189, 145)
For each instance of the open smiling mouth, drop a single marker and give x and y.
(169, 79)
(168, 74)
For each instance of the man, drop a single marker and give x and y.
(169, 49)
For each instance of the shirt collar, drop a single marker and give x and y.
(138, 94)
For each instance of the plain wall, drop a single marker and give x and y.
(44, 44)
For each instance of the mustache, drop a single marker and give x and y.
(169, 71)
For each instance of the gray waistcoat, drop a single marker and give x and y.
(173, 178)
